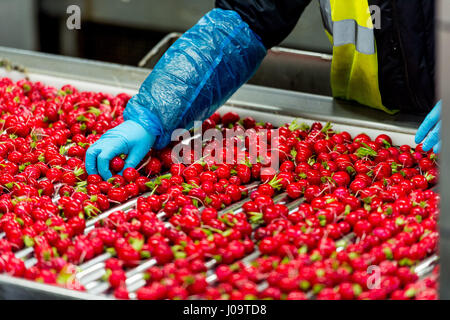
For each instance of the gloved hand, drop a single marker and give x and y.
(129, 138)
(429, 130)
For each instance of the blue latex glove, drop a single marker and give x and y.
(129, 138)
(429, 130)
(196, 75)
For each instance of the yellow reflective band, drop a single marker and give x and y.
(354, 69)
(347, 31)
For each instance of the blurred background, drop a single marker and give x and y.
(122, 31)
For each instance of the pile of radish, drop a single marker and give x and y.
(338, 212)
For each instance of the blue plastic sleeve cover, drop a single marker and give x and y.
(196, 75)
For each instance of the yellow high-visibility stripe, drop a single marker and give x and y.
(354, 68)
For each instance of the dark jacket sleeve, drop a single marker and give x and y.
(271, 20)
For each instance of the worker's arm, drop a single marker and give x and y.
(197, 74)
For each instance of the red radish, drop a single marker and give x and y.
(229, 118)
(130, 174)
(117, 164)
